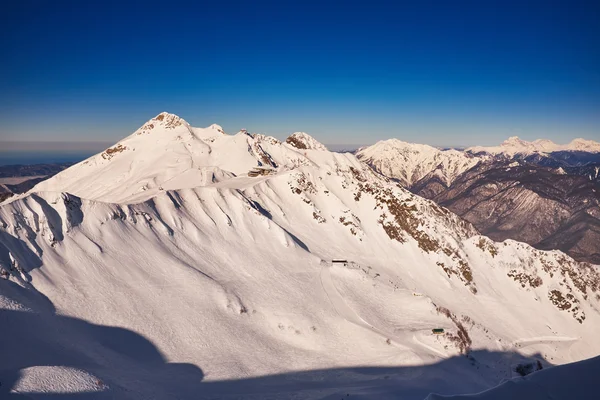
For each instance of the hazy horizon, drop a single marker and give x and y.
(449, 75)
(60, 145)
(72, 149)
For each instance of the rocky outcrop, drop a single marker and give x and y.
(545, 207)
(303, 141)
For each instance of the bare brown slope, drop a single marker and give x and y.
(537, 205)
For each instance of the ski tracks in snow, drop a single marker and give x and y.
(339, 304)
(345, 311)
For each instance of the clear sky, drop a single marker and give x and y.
(436, 72)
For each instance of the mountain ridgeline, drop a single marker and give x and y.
(181, 253)
(515, 191)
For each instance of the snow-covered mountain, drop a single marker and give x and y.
(415, 165)
(188, 263)
(514, 192)
(513, 146)
(410, 162)
(549, 208)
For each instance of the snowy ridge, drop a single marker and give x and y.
(514, 145)
(167, 153)
(303, 141)
(410, 162)
(212, 267)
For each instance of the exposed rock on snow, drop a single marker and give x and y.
(546, 208)
(303, 141)
(167, 265)
(511, 195)
(165, 120)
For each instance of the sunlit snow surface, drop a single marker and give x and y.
(160, 269)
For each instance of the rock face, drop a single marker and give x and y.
(303, 141)
(545, 207)
(166, 263)
(516, 191)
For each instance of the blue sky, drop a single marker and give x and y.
(437, 72)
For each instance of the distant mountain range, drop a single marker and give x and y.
(514, 146)
(545, 207)
(538, 192)
(410, 162)
(186, 262)
(21, 178)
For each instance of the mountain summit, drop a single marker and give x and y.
(167, 153)
(303, 141)
(181, 253)
(163, 120)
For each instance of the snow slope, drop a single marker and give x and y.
(409, 162)
(513, 146)
(165, 153)
(210, 283)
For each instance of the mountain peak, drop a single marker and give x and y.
(515, 141)
(580, 144)
(410, 162)
(168, 118)
(164, 120)
(515, 145)
(303, 141)
(216, 127)
(398, 145)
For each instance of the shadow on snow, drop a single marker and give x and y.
(127, 365)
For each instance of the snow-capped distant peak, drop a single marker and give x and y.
(303, 141)
(410, 162)
(580, 144)
(515, 145)
(395, 144)
(216, 127)
(515, 141)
